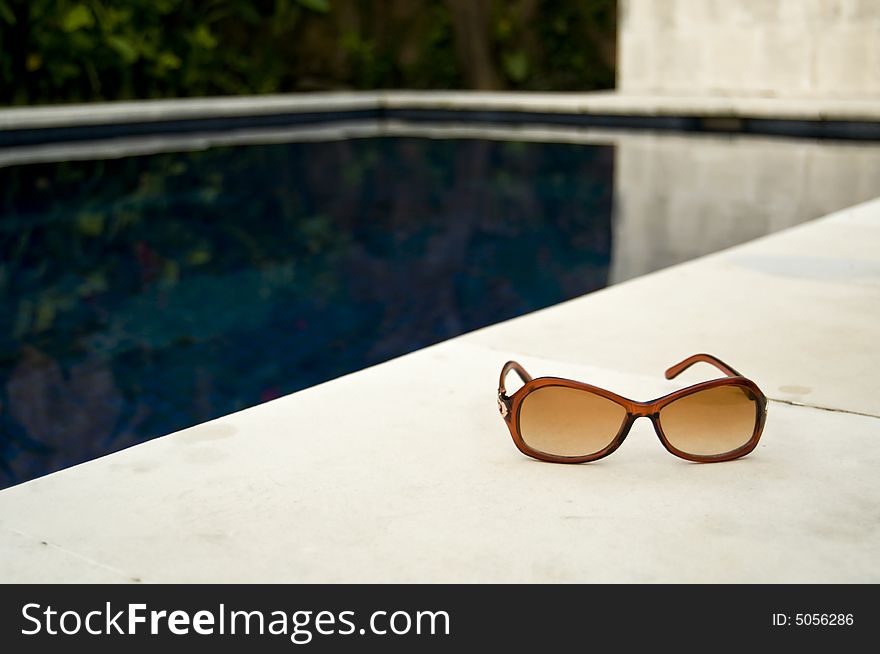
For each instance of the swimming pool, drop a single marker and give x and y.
(145, 294)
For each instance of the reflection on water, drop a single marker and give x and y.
(679, 197)
(143, 295)
(139, 296)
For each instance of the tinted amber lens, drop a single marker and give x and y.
(711, 422)
(569, 422)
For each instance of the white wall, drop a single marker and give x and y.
(824, 48)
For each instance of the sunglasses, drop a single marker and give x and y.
(565, 421)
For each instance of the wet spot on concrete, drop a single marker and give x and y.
(828, 269)
(202, 433)
(202, 455)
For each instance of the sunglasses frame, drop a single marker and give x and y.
(509, 406)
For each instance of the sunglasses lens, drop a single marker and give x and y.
(711, 422)
(569, 422)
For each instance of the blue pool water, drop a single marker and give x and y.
(142, 295)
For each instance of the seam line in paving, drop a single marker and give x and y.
(823, 408)
(82, 557)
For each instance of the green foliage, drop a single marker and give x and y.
(558, 45)
(90, 50)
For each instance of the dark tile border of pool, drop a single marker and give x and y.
(784, 127)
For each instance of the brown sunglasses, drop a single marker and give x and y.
(565, 421)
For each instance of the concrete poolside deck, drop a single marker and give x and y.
(405, 472)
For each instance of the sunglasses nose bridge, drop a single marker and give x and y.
(643, 410)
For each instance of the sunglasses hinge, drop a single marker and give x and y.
(503, 404)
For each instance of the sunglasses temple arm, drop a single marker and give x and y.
(518, 369)
(680, 367)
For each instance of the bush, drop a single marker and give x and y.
(55, 51)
